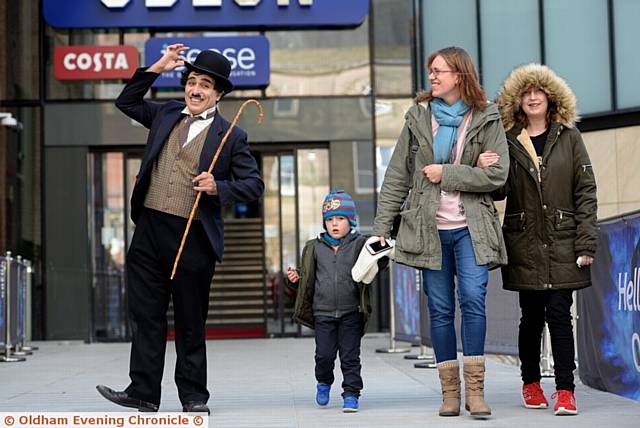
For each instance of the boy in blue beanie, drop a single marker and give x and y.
(330, 302)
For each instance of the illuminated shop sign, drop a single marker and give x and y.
(94, 62)
(249, 57)
(204, 14)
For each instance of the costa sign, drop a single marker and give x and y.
(248, 55)
(94, 62)
(204, 14)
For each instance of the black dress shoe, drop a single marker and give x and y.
(121, 398)
(196, 407)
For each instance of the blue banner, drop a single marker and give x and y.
(249, 57)
(609, 311)
(204, 14)
(406, 300)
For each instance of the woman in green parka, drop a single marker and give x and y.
(550, 221)
(450, 227)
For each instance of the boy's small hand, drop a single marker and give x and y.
(292, 274)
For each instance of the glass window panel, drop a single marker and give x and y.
(328, 62)
(20, 179)
(20, 67)
(313, 185)
(389, 122)
(346, 166)
(501, 54)
(449, 23)
(627, 34)
(577, 48)
(392, 47)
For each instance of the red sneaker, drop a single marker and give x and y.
(566, 404)
(533, 396)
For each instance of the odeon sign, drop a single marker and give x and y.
(205, 14)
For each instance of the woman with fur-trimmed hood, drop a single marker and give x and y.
(550, 221)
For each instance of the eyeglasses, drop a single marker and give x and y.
(437, 72)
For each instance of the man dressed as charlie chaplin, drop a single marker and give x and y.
(183, 138)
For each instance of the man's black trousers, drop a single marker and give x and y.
(339, 334)
(149, 262)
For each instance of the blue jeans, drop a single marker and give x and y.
(458, 260)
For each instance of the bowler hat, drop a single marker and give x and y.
(215, 65)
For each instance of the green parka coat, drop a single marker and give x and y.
(550, 217)
(303, 308)
(418, 242)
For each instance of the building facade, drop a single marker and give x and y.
(334, 104)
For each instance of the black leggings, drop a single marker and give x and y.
(554, 307)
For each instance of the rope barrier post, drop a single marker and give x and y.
(6, 278)
(392, 349)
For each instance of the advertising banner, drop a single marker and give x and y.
(248, 55)
(406, 292)
(205, 14)
(609, 311)
(94, 62)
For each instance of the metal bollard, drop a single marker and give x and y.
(21, 308)
(392, 321)
(28, 283)
(546, 358)
(6, 278)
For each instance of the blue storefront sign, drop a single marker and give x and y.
(249, 57)
(204, 14)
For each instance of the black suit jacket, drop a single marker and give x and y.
(236, 171)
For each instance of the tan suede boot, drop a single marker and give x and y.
(474, 386)
(449, 372)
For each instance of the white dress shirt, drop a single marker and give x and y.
(197, 126)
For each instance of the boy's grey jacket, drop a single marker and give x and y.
(418, 242)
(336, 294)
(303, 312)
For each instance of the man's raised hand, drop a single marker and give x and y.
(173, 57)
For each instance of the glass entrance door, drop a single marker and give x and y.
(112, 177)
(296, 181)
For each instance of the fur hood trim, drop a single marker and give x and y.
(539, 76)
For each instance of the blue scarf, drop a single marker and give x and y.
(449, 118)
(333, 241)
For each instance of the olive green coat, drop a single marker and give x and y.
(418, 242)
(551, 212)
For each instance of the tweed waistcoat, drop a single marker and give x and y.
(171, 190)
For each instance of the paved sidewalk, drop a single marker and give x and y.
(269, 383)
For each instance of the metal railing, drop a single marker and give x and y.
(16, 281)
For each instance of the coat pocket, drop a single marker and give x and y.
(410, 235)
(564, 220)
(491, 225)
(514, 222)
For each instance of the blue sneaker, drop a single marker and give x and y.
(350, 404)
(322, 394)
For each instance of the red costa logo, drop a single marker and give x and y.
(94, 62)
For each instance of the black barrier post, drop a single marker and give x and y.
(6, 282)
(392, 349)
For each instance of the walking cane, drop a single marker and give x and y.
(213, 163)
